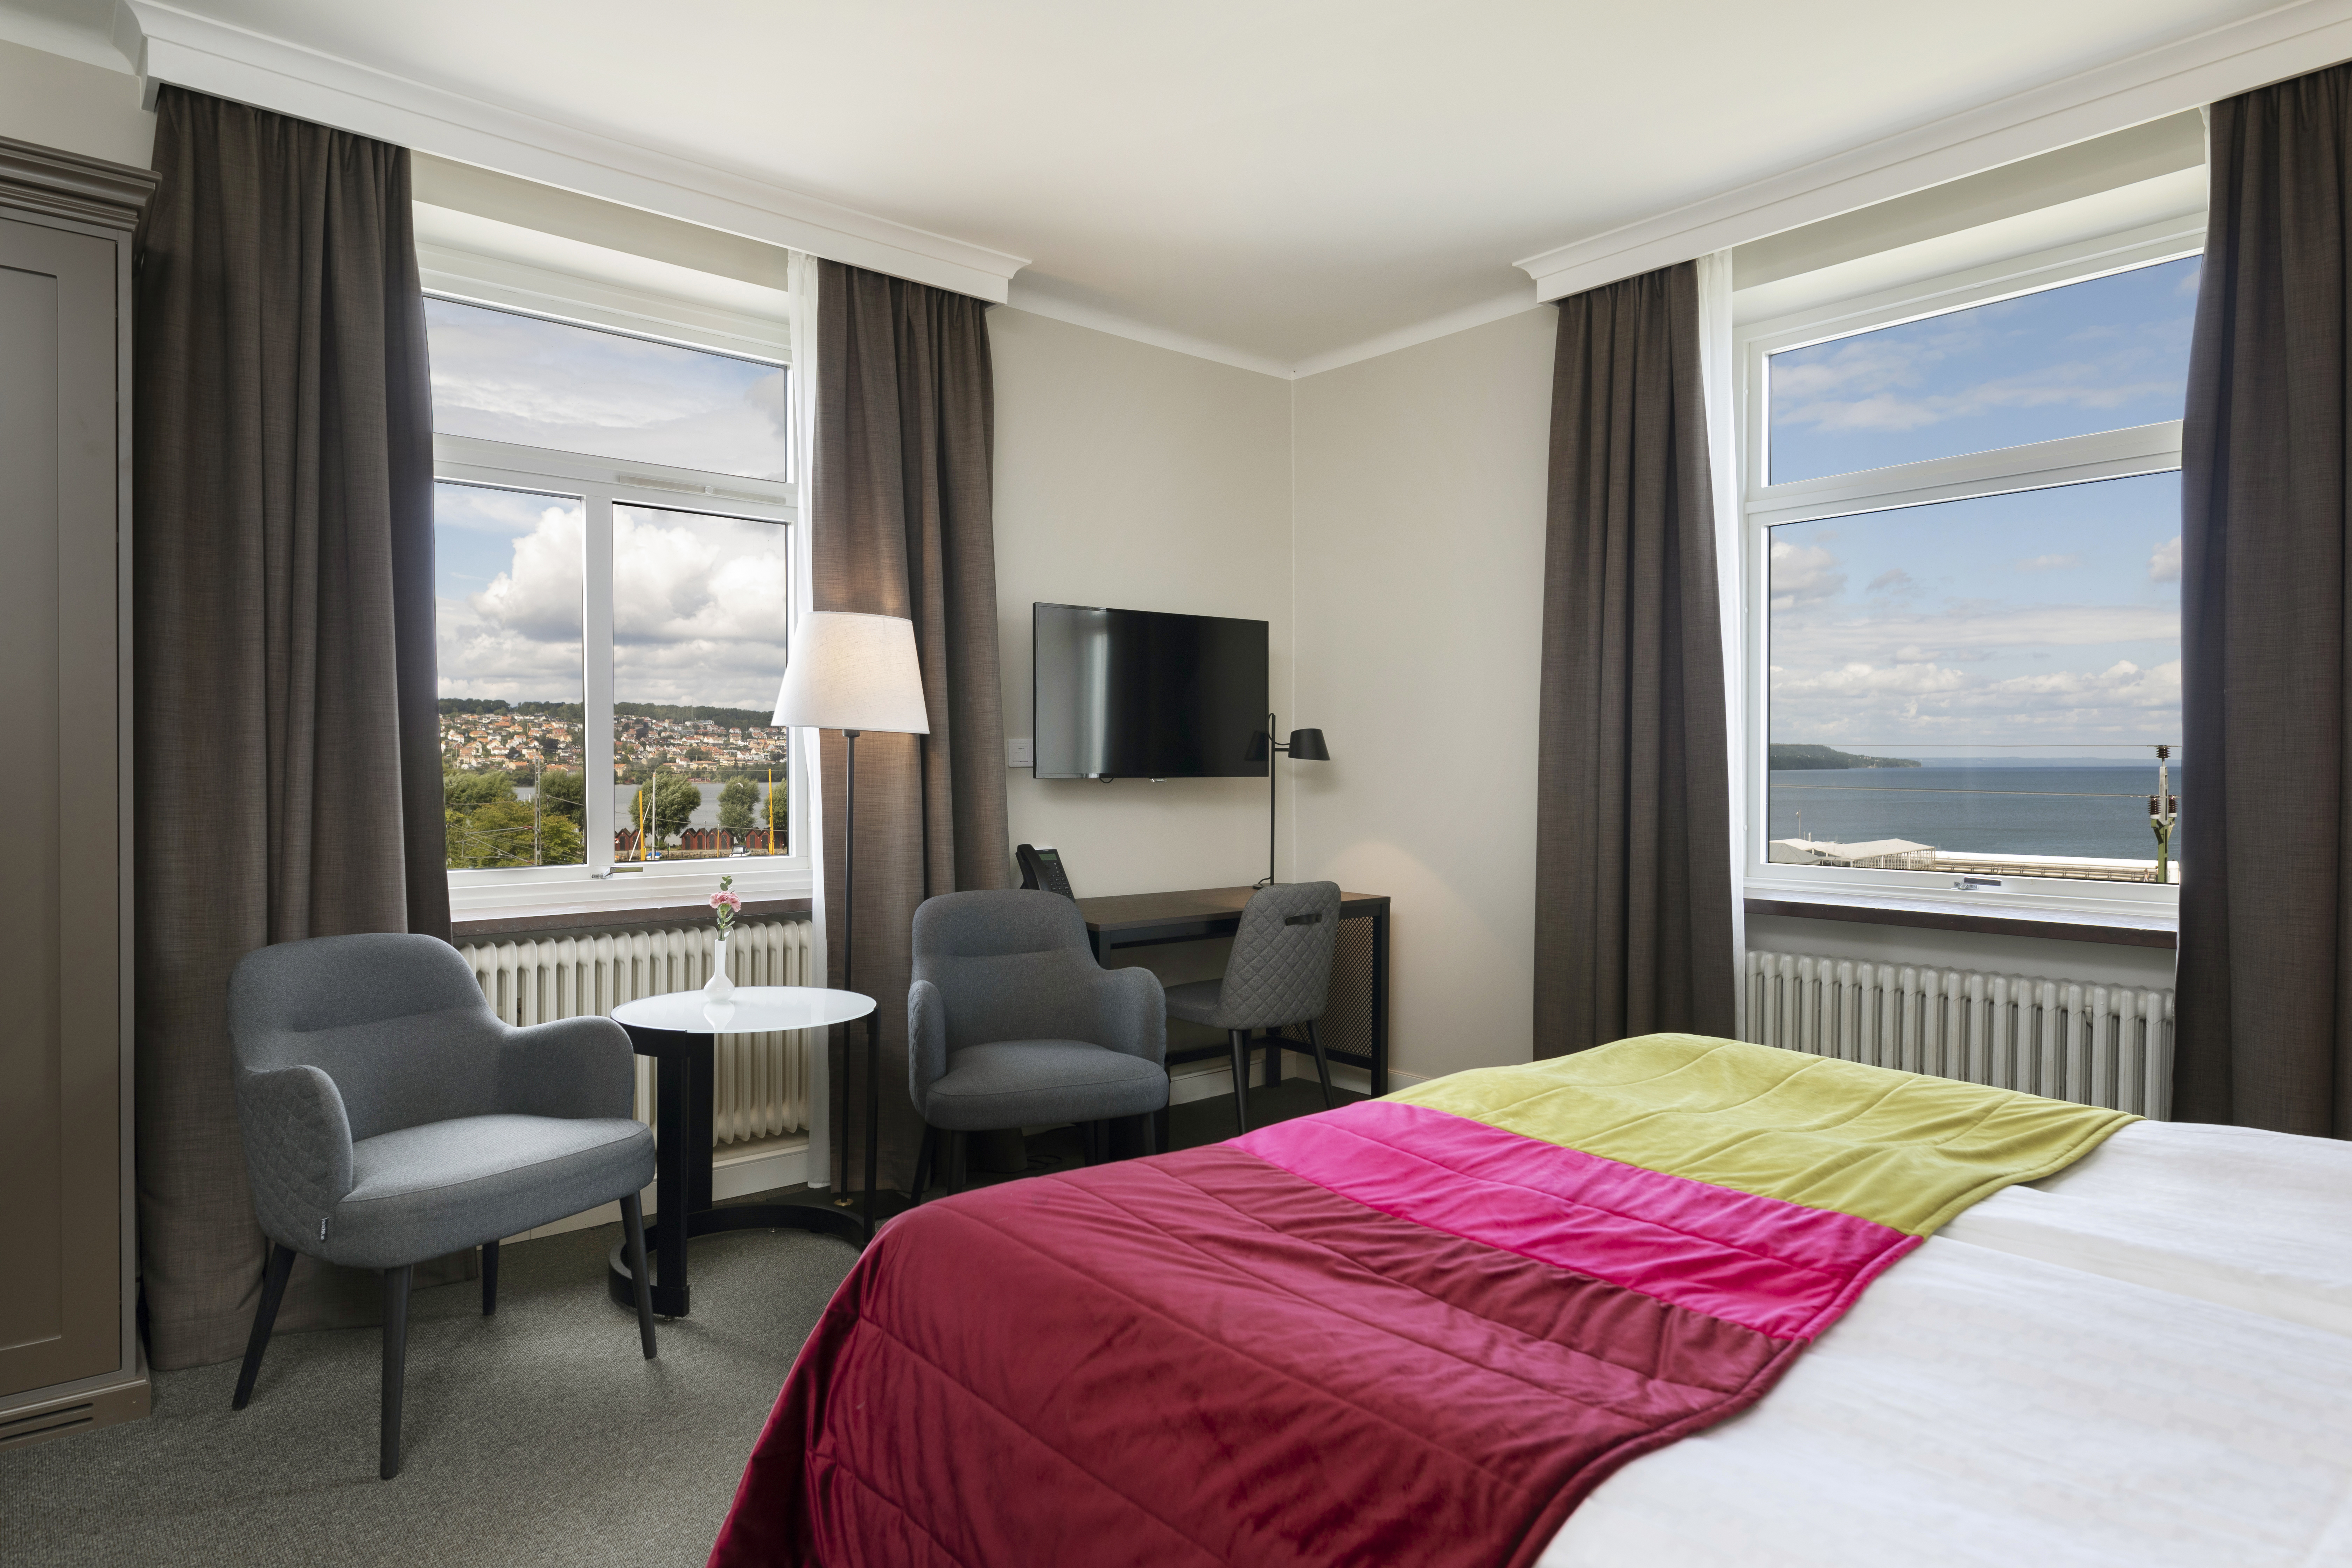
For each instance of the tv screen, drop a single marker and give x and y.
(1139, 694)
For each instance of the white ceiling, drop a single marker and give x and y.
(1275, 179)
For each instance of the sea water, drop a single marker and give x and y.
(2094, 812)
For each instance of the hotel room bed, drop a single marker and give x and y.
(2141, 1359)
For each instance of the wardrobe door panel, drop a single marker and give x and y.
(61, 993)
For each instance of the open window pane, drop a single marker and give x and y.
(501, 376)
(699, 632)
(1978, 687)
(2103, 354)
(508, 607)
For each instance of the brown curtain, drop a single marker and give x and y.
(1632, 815)
(900, 507)
(288, 756)
(2266, 970)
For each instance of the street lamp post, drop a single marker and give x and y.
(2163, 811)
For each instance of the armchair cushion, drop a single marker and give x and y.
(1028, 1083)
(423, 1191)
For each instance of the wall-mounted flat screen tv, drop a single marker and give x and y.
(1139, 694)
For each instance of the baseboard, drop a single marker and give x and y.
(736, 1171)
(126, 1400)
(1206, 1080)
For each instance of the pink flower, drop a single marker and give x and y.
(731, 902)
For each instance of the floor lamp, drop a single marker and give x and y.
(1303, 746)
(852, 673)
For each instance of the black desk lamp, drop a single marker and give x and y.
(1303, 746)
(851, 672)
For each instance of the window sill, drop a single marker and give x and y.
(2121, 931)
(479, 925)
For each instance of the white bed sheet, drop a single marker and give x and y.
(2145, 1361)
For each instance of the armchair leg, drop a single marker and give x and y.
(489, 1278)
(1322, 1062)
(633, 1232)
(273, 1291)
(396, 1360)
(925, 1158)
(1239, 1040)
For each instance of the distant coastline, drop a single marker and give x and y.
(1784, 758)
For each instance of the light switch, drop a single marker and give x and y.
(1020, 753)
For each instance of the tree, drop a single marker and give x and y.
(564, 794)
(674, 800)
(505, 833)
(737, 805)
(464, 792)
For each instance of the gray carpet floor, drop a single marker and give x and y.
(538, 1436)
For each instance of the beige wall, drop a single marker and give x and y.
(1146, 479)
(73, 106)
(1420, 523)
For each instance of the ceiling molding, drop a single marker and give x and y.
(1038, 300)
(171, 45)
(2220, 63)
(1461, 321)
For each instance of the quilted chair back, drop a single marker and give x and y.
(398, 1022)
(1010, 965)
(1280, 971)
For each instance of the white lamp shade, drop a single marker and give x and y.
(848, 671)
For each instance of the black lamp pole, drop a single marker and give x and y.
(849, 983)
(1303, 746)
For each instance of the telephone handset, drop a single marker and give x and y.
(1041, 868)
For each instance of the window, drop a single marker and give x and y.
(613, 530)
(1963, 547)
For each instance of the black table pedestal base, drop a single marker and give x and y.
(682, 1201)
(670, 1301)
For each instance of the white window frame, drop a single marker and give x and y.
(600, 484)
(2112, 454)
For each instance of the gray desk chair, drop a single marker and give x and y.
(390, 1117)
(1012, 1023)
(1279, 973)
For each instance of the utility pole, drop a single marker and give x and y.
(2163, 811)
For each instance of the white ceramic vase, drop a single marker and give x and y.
(719, 987)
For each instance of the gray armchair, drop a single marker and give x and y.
(1278, 973)
(1012, 1023)
(390, 1117)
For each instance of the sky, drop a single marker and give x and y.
(2003, 625)
(700, 602)
(506, 377)
(1988, 626)
(2104, 354)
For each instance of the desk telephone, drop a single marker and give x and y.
(1041, 868)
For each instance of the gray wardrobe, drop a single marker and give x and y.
(69, 1356)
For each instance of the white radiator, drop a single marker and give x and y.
(762, 1081)
(2097, 1045)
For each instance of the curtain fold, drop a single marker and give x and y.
(1633, 888)
(2265, 967)
(286, 738)
(901, 525)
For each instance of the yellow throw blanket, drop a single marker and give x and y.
(1896, 1148)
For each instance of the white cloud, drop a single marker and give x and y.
(1894, 580)
(2049, 562)
(2164, 566)
(1803, 575)
(699, 613)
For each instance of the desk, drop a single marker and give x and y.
(679, 1030)
(1355, 1032)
